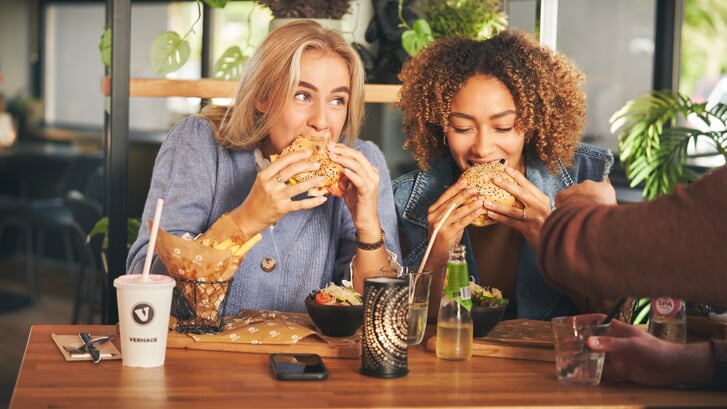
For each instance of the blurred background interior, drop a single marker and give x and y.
(54, 139)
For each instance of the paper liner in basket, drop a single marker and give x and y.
(214, 256)
(260, 327)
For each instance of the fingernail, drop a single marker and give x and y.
(487, 203)
(316, 165)
(594, 341)
(497, 179)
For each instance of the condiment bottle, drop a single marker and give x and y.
(668, 319)
(454, 322)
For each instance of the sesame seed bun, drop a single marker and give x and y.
(331, 171)
(479, 176)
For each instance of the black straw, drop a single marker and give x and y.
(616, 308)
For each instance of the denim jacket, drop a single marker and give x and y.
(414, 192)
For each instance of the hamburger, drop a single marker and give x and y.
(479, 176)
(331, 171)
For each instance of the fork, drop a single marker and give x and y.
(83, 348)
(72, 349)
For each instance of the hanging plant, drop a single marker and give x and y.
(170, 51)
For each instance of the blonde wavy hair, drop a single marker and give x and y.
(271, 76)
(545, 85)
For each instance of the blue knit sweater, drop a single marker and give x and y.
(200, 180)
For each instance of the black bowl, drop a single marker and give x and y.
(334, 320)
(484, 319)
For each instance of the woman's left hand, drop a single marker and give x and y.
(360, 187)
(528, 220)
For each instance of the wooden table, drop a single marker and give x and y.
(205, 379)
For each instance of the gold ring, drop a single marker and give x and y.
(279, 179)
(524, 215)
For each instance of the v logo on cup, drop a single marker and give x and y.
(143, 313)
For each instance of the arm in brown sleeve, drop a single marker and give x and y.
(674, 245)
(719, 376)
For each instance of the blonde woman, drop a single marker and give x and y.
(302, 79)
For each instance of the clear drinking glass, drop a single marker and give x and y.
(419, 285)
(575, 363)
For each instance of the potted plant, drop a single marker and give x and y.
(654, 142)
(102, 227)
(326, 12)
(476, 19)
(655, 136)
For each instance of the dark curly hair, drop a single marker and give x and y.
(544, 84)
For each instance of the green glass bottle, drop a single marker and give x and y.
(454, 322)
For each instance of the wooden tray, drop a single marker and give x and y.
(516, 339)
(331, 347)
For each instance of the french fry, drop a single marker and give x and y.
(242, 251)
(224, 245)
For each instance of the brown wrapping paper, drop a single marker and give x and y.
(213, 257)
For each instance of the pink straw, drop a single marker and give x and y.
(152, 238)
(434, 235)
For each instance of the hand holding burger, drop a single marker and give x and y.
(329, 170)
(479, 176)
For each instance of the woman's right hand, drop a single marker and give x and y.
(270, 197)
(451, 231)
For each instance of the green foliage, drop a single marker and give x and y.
(104, 46)
(702, 56)
(476, 19)
(417, 37)
(653, 147)
(102, 227)
(229, 66)
(169, 52)
(218, 4)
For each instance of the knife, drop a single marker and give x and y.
(90, 347)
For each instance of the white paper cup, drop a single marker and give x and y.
(144, 307)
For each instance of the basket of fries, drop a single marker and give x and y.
(203, 269)
(199, 305)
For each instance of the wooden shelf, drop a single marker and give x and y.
(210, 88)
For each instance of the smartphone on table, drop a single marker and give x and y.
(298, 367)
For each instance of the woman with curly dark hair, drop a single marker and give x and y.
(502, 99)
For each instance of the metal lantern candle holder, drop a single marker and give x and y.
(385, 327)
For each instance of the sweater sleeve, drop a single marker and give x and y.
(673, 245)
(184, 175)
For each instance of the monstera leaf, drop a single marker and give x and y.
(229, 65)
(169, 52)
(105, 47)
(417, 37)
(218, 4)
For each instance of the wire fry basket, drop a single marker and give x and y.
(199, 305)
